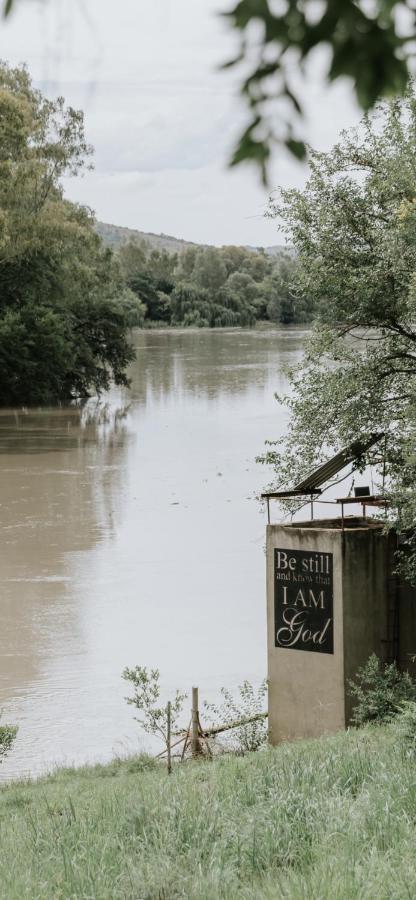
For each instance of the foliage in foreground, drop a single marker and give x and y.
(363, 42)
(380, 691)
(330, 818)
(372, 44)
(354, 227)
(63, 328)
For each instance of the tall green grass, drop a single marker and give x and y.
(333, 818)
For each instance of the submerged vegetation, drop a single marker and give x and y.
(328, 818)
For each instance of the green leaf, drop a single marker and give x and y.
(296, 148)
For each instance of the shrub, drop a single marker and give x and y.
(405, 727)
(7, 737)
(146, 697)
(248, 703)
(380, 691)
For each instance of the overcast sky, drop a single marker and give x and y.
(160, 115)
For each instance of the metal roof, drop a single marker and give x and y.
(312, 484)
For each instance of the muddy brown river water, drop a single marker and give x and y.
(130, 533)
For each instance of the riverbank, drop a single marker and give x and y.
(259, 325)
(331, 818)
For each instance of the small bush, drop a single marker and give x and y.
(146, 684)
(380, 691)
(405, 727)
(249, 702)
(7, 737)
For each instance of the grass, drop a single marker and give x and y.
(328, 819)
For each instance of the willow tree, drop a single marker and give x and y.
(354, 230)
(63, 330)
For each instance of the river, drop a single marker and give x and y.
(131, 534)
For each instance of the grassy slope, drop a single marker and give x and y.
(329, 819)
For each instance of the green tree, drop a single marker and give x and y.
(257, 265)
(287, 302)
(133, 308)
(62, 330)
(149, 275)
(354, 229)
(185, 264)
(233, 258)
(162, 264)
(209, 270)
(241, 294)
(187, 305)
(132, 257)
(212, 287)
(146, 697)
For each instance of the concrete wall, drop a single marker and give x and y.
(366, 601)
(308, 691)
(406, 628)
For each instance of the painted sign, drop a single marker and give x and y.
(303, 600)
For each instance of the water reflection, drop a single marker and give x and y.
(209, 363)
(60, 477)
(130, 534)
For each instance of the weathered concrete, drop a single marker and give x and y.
(308, 685)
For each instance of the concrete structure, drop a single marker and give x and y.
(331, 594)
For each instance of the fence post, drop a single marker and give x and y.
(168, 737)
(195, 724)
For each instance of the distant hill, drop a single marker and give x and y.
(116, 235)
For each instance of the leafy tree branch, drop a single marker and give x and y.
(364, 289)
(373, 44)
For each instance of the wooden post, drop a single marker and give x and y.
(195, 724)
(168, 737)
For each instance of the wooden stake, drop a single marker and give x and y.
(168, 737)
(195, 724)
(186, 742)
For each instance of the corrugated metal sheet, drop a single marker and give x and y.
(330, 468)
(338, 462)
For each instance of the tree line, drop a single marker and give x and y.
(67, 302)
(212, 287)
